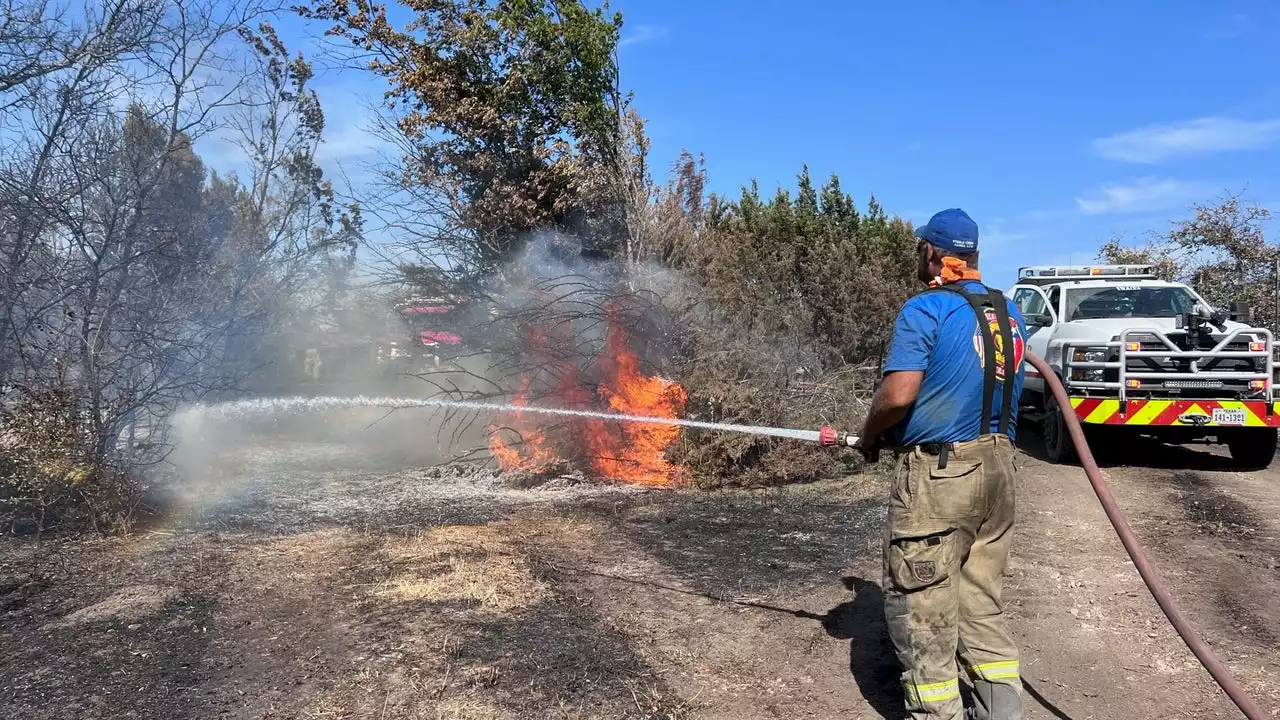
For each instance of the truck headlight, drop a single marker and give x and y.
(1096, 375)
(1089, 356)
(1089, 374)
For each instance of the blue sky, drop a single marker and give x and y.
(1054, 126)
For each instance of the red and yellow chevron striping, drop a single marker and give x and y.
(1102, 411)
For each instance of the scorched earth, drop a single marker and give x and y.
(322, 579)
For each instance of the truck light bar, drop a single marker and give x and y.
(1088, 272)
(1194, 384)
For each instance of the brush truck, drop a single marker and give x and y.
(427, 333)
(1143, 356)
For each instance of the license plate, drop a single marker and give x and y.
(1224, 416)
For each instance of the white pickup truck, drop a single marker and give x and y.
(1142, 356)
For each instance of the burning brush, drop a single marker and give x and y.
(631, 452)
(630, 442)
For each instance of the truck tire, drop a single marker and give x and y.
(1057, 441)
(1252, 448)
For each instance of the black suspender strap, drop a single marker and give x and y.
(1008, 351)
(988, 359)
(994, 299)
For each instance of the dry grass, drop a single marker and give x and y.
(469, 708)
(475, 564)
(327, 709)
(127, 605)
(570, 532)
(652, 703)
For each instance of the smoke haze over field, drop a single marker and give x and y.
(549, 321)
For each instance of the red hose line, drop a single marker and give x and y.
(1202, 652)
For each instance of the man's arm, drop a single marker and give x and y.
(914, 333)
(897, 393)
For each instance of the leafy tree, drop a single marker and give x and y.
(1221, 250)
(789, 318)
(1115, 252)
(833, 267)
(509, 113)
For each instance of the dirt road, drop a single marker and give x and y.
(314, 580)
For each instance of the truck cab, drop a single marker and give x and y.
(1140, 355)
(425, 332)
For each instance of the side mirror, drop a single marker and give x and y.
(1041, 320)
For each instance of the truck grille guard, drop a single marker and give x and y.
(1133, 344)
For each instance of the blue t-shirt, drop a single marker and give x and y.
(938, 332)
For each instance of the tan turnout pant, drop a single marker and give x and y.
(946, 546)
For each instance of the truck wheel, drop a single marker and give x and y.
(1057, 441)
(1252, 448)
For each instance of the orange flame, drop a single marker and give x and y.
(633, 453)
(533, 439)
(636, 452)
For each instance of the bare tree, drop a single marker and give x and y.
(55, 79)
(135, 280)
(39, 39)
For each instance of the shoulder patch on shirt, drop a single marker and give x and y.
(993, 324)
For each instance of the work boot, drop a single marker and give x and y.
(994, 701)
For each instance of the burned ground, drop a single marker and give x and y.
(310, 580)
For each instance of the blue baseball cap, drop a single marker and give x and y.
(952, 230)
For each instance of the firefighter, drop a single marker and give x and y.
(947, 407)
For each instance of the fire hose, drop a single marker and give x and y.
(830, 437)
(1188, 634)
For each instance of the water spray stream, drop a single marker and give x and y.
(262, 406)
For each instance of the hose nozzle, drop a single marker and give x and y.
(830, 437)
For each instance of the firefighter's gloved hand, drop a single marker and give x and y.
(869, 447)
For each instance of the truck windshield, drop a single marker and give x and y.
(1126, 301)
